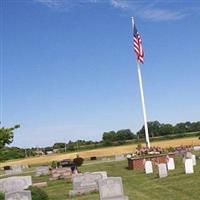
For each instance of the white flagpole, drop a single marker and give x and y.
(142, 99)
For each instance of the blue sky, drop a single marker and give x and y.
(68, 68)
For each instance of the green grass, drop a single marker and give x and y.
(137, 185)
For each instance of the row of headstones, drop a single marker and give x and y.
(14, 187)
(108, 187)
(162, 167)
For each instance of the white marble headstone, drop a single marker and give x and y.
(162, 170)
(148, 167)
(189, 166)
(194, 160)
(170, 164)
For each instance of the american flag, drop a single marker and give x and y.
(138, 45)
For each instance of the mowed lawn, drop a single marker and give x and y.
(137, 185)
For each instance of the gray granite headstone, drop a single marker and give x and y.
(148, 167)
(15, 183)
(14, 170)
(111, 189)
(42, 170)
(103, 173)
(189, 166)
(162, 170)
(85, 183)
(19, 195)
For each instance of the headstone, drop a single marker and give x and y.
(15, 183)
(19, 195)
(194, 160)
(162, 170)
(85, 183)
(189, 166)
(119, 157)
(103, 173)
(170, 164)
(14, 170)
(148, 167)
(196, 148)
(42, 170)
(111, 188)
(61, 173)
(188, 155)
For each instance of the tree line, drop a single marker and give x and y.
(156, 128)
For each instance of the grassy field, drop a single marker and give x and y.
(109, 151)
(137, 185)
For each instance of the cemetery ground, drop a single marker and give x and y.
(137, 185)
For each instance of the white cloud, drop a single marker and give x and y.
(154, 10)
(119, 4)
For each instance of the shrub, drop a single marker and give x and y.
(38, 194)
(53, 164)
(2, 196)
(78, 161)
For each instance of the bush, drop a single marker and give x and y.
(53, 164)
(78, 161)
(2, 196)
(38, 194)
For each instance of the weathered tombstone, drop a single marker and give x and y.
(196, 148)
(148, 167)
(65, 173)
(14, 170)
(15, 183)
(41, 184)
(111, 188)
(18, 195)
(119, 157)
(162, 170)
(170, 164)
(85, 183)
(189, 166)
(42, 170)
(194, 160)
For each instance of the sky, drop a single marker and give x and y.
(68, 69)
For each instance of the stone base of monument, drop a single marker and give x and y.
(73, 193)
(138, 162)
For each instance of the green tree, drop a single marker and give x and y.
(6, 135)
